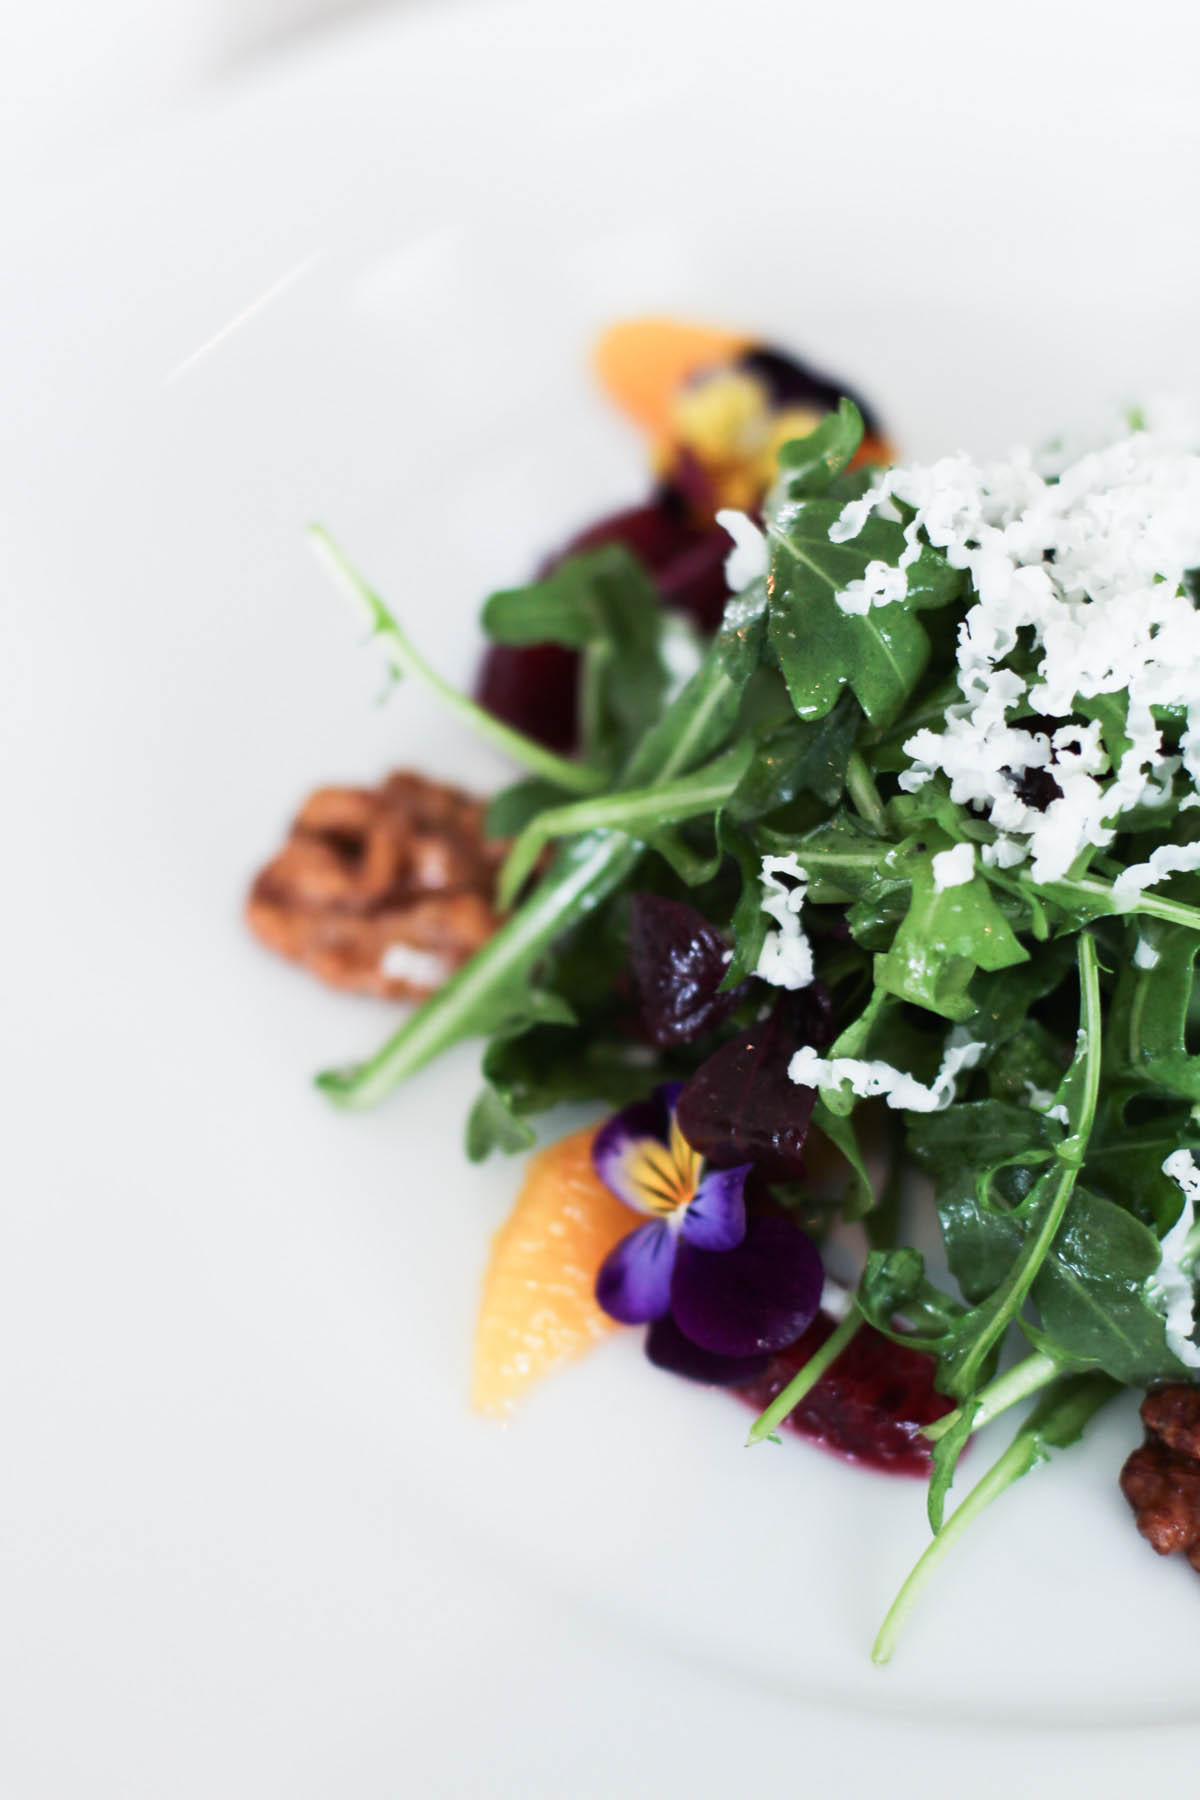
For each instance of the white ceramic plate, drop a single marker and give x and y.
(253, 1542)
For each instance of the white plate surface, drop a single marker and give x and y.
(252, 1540)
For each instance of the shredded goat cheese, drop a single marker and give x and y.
(1173, 1285)
(953, 868)
(1089, 568)
(786, 959)
(747, 561)
(808, 1068)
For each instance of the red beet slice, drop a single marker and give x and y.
(742, 1106)
(869, 1407)
(678, 962)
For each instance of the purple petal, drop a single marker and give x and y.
(634, 1283)
(758, 1297)
(716, 1218)
(668, 1349)
(618, 1137)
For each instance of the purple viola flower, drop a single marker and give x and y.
(733, 1288)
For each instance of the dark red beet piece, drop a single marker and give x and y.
(534, 687)
(742, 1106)
(678, 962)
(869, 1407)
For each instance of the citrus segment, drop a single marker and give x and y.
(539, 1308)
(642, 363)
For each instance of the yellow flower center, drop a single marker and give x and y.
(666, 1176)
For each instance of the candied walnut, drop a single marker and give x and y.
(1161, 1479)
(381, 890)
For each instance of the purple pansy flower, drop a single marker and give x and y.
(738, 1289)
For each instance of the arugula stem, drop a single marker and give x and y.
(1153, 905)
(665, 803)
(405, 659)
(805, 1379)
(862, 790)
(1005, 1304)
(478, 997)
(1017, 1384)
(473, 1001)
(1058, 1421)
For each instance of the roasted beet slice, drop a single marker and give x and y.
(678, 962)
(868, 1407)
(742, 1105)
(534, 687)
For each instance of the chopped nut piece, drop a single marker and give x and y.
(381, 890)
(1161, 1479)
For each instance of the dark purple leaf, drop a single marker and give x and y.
(678, 962)
(742, 1106)
(668, 1349)
(756, 1298)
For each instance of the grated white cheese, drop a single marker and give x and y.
(1089, 569)
(1168, 859)
(1173, 1284)
(1145, 956)
(786, 959)
(953, 868)
(747, 561)
(808, 1068)
(1041, 1100)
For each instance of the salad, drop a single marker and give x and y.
(867, 883)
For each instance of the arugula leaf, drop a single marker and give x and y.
(1125, 1159)
(513, 807)
(880, 654)
(945, 937)
(980, 1134)
(807, 465)
(492, 1124)
(801, 756)
(1148, 1019)
(946, 1452)
(859, 1197)
(1092, 1297)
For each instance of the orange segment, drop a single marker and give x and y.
(539, 1309)
(643, 362)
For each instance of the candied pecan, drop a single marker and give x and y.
(1161, 1479)
(381, 890)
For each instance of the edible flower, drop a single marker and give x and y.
(735, 1287)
